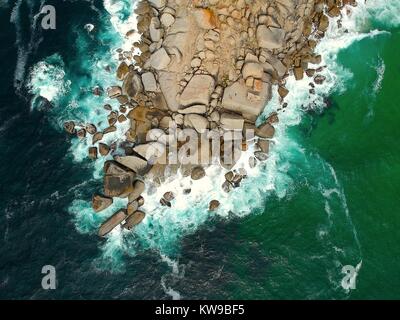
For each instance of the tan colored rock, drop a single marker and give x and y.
(230, 121)
(269, 37)
(112, 222)
(104, 149)
(134, 219)
(198, 90)
(134, 163)
(205, 18)
(198, 122)
(100, 203)
(266, 131)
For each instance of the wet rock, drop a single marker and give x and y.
(81, 133)
(319, 79)
(112, 222)
(91, 128)
(283, 92)
(132, 85)
(214, 205)
(169, 196)
(261, 156)
(114, 91)
(138, 188)
(298, 73)
(269, 37)
(252, 162)
(117, 181)
(110, 129)
(165, 203)
(229, 176)
(266, 131)
(69, 126)
(100, 203)
(140, 201)
(134, 219)
(227, 187)
(122, 71)
(104, 149)
(132, 207)
(97, 137)
(264, 145)
(198, 173)
(93, 153)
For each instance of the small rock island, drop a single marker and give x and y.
(206, 68)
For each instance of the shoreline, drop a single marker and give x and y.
(184, 82)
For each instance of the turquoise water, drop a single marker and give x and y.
(327, 197)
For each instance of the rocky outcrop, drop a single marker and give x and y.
(207, 65)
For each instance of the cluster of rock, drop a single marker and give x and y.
(204, 64)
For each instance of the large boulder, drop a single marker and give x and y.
(160, 59)
(198, 122)
(198, 90)
(238, 99)
(252, 69)
(112, 222)
(269, 37)
(149, 82)
(134, 163)
(205, 18)
(118, 182)
(132, 84)
(169, 86)
(100, 203)
(134, 219)
(150, 151)
(265, 131)
(198, 173)
(138, 188)
(231, 121)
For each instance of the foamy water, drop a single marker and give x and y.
(163, 228)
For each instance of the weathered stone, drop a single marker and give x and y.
(134, 219)
(110, 129)
(97, 137)
(252, 69)
(158, 3)
(169, 196)
(283, 92)
(122, 71)
(236, 99)
(265, 131)
(112, 222)
(214, 205)
(298, 73)
(91, 128)
(198, 173)
(118, 182)
(199, 123)
(132, 84)
(198, 108)
(261, 156)
(160, 59)
(132, 207)
(319, 79)
(93, 153)
(104, 149)
(100, 203)
(231, 121)
(114, 91)
(169, 87)
(269, 37)
(134, 163)
(264, 145)
(167, 19)
(149, 82)
(69, 126)
(81, 133)
(227, 187)
(198, 90)
(205, 18)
